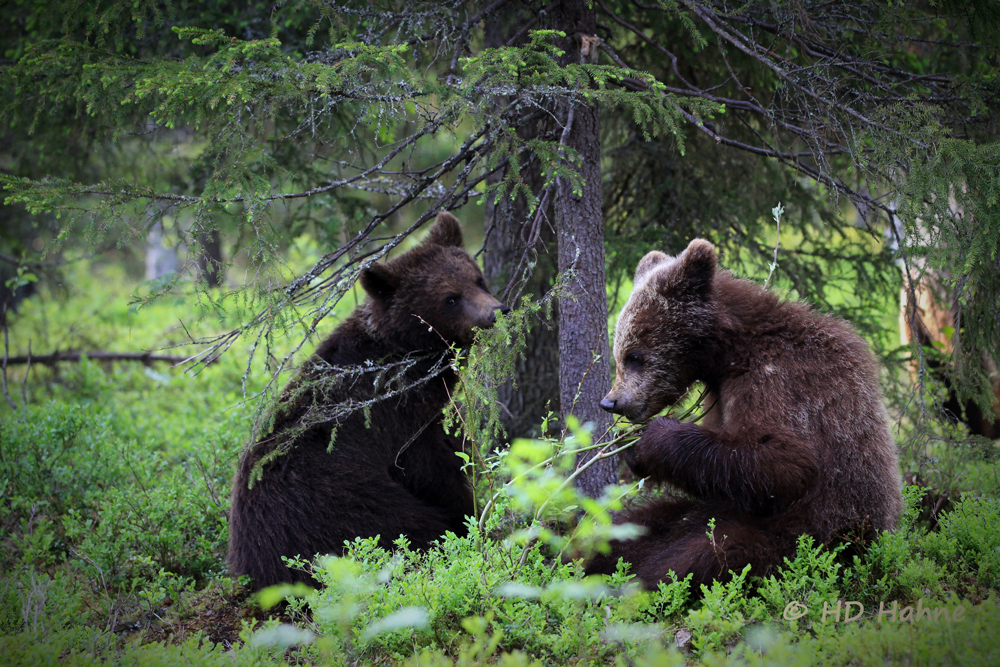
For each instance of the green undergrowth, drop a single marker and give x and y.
(114, 489)
(110, 542)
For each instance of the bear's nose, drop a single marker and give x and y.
(608, 404)
(493, 314)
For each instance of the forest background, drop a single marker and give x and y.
(203, 182)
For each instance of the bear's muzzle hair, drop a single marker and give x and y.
(621, 402)
(482, 310)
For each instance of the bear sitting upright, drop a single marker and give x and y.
(795, 440)
(357, 450)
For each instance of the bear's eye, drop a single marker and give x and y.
(633, 359)
(481, 283)
(453, 299)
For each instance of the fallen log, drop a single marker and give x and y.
(56, 357)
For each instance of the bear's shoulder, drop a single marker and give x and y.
(353, 342)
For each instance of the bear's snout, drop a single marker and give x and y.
(621, 400)
(501, 308)
(614, 401)
(486, 308)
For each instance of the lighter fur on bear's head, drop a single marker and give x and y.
(668, 313)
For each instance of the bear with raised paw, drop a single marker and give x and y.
(795, 440)
(357, 448)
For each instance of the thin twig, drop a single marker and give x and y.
(776, 212)
(24, 380)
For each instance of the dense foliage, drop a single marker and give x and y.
(235, 128)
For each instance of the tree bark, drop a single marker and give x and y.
(534, 389)
(566, 367)
(584, 366)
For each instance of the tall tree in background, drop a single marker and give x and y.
(345, 119)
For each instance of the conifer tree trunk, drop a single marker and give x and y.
(566, 367)
(160, 260)
(584, 366)
(534, 389)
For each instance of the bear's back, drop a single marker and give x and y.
(816, 371)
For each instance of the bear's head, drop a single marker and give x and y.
(431, 294)
(659, 330)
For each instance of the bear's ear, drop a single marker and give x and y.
(379, 281)
(649, 262)
(697, 269)
(446, 231)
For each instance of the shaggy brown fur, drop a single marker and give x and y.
(797, 440)
(392, 471)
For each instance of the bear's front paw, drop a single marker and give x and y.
(642, 456)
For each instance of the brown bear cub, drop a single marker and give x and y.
(388, 469)
(796, 440)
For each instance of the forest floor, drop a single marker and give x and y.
(115, 482)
